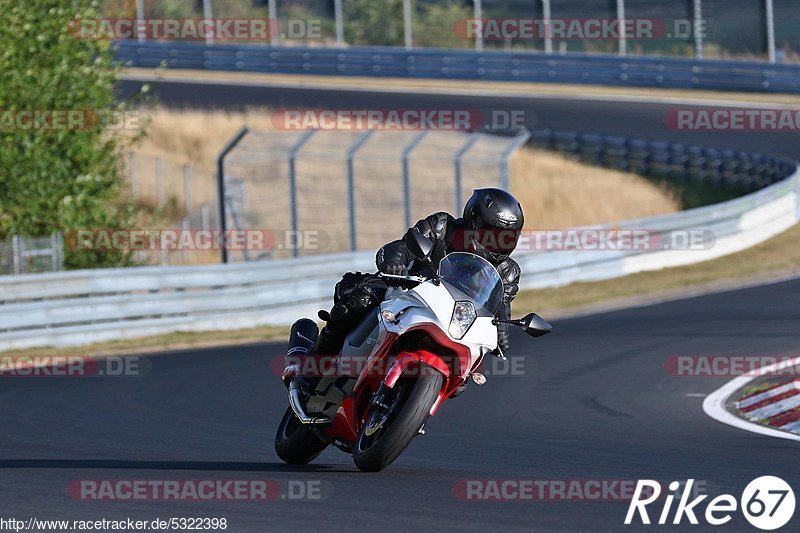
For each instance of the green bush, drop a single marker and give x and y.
(57, 179)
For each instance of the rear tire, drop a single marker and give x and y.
(409, 413)
(295, 442)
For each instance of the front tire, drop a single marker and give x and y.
(295, 442)
(413, 398)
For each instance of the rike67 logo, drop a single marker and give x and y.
(767, 503)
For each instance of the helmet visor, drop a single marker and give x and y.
(489, 241)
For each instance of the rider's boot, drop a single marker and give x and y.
(302, 339)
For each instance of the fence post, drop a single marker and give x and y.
(132, 172)
(274, 28)
(184, 229)
(477, 9)
(293, 182)
(159, 182)
(473, 138)
(407, 22)
(770, 31)
(221, 186)
(407, 176)
(207, 16)
(204, 216)
(623, 43)
(140, 17)
(698, 22)
(55, 252)
(337, 14)
(351, 185)
(16, 253)
(548, 33)
(187, 188)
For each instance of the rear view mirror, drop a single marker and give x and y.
(534, 325)
(418, 244)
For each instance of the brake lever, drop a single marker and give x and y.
(498, 352)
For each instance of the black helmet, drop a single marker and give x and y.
(497, 217)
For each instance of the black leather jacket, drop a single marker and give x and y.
(440, 228)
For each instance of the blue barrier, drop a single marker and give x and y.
(631, 71)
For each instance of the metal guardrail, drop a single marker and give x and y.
(73, 308)
(593, 69)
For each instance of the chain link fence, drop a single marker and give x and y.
(726, 28)
(26, 255)
(322, 192)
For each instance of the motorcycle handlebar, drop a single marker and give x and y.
(416, 279)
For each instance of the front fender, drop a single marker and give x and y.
(408, 360)
(422, 360)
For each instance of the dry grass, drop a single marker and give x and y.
(195, 137)
(554, 191)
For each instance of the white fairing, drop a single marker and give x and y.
(429, 303)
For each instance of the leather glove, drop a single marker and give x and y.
(502, 340)
(397, 270)
(394, 269)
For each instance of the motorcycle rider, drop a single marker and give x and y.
(490, 227)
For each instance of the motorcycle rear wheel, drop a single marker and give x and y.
(413, 398)
(295, 442)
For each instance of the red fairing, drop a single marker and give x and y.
(451, 381)
(343, 428)
(348, 420)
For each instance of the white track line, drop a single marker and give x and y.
(714, 404)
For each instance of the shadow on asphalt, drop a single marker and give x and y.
(111, 464)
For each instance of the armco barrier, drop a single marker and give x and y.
(594, 69)
(72, 308)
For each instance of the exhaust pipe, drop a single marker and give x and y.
(296, 403)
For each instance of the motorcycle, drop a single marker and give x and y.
(419, 348)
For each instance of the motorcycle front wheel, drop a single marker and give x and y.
(390, 428)
(295, 442)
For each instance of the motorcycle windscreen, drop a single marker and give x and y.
(475, 277)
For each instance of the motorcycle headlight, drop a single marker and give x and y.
(463, 316)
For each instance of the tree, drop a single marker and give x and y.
(56, 177)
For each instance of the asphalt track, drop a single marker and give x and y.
(594, 402)
(634, 118)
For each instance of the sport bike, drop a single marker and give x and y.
(397, 367)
